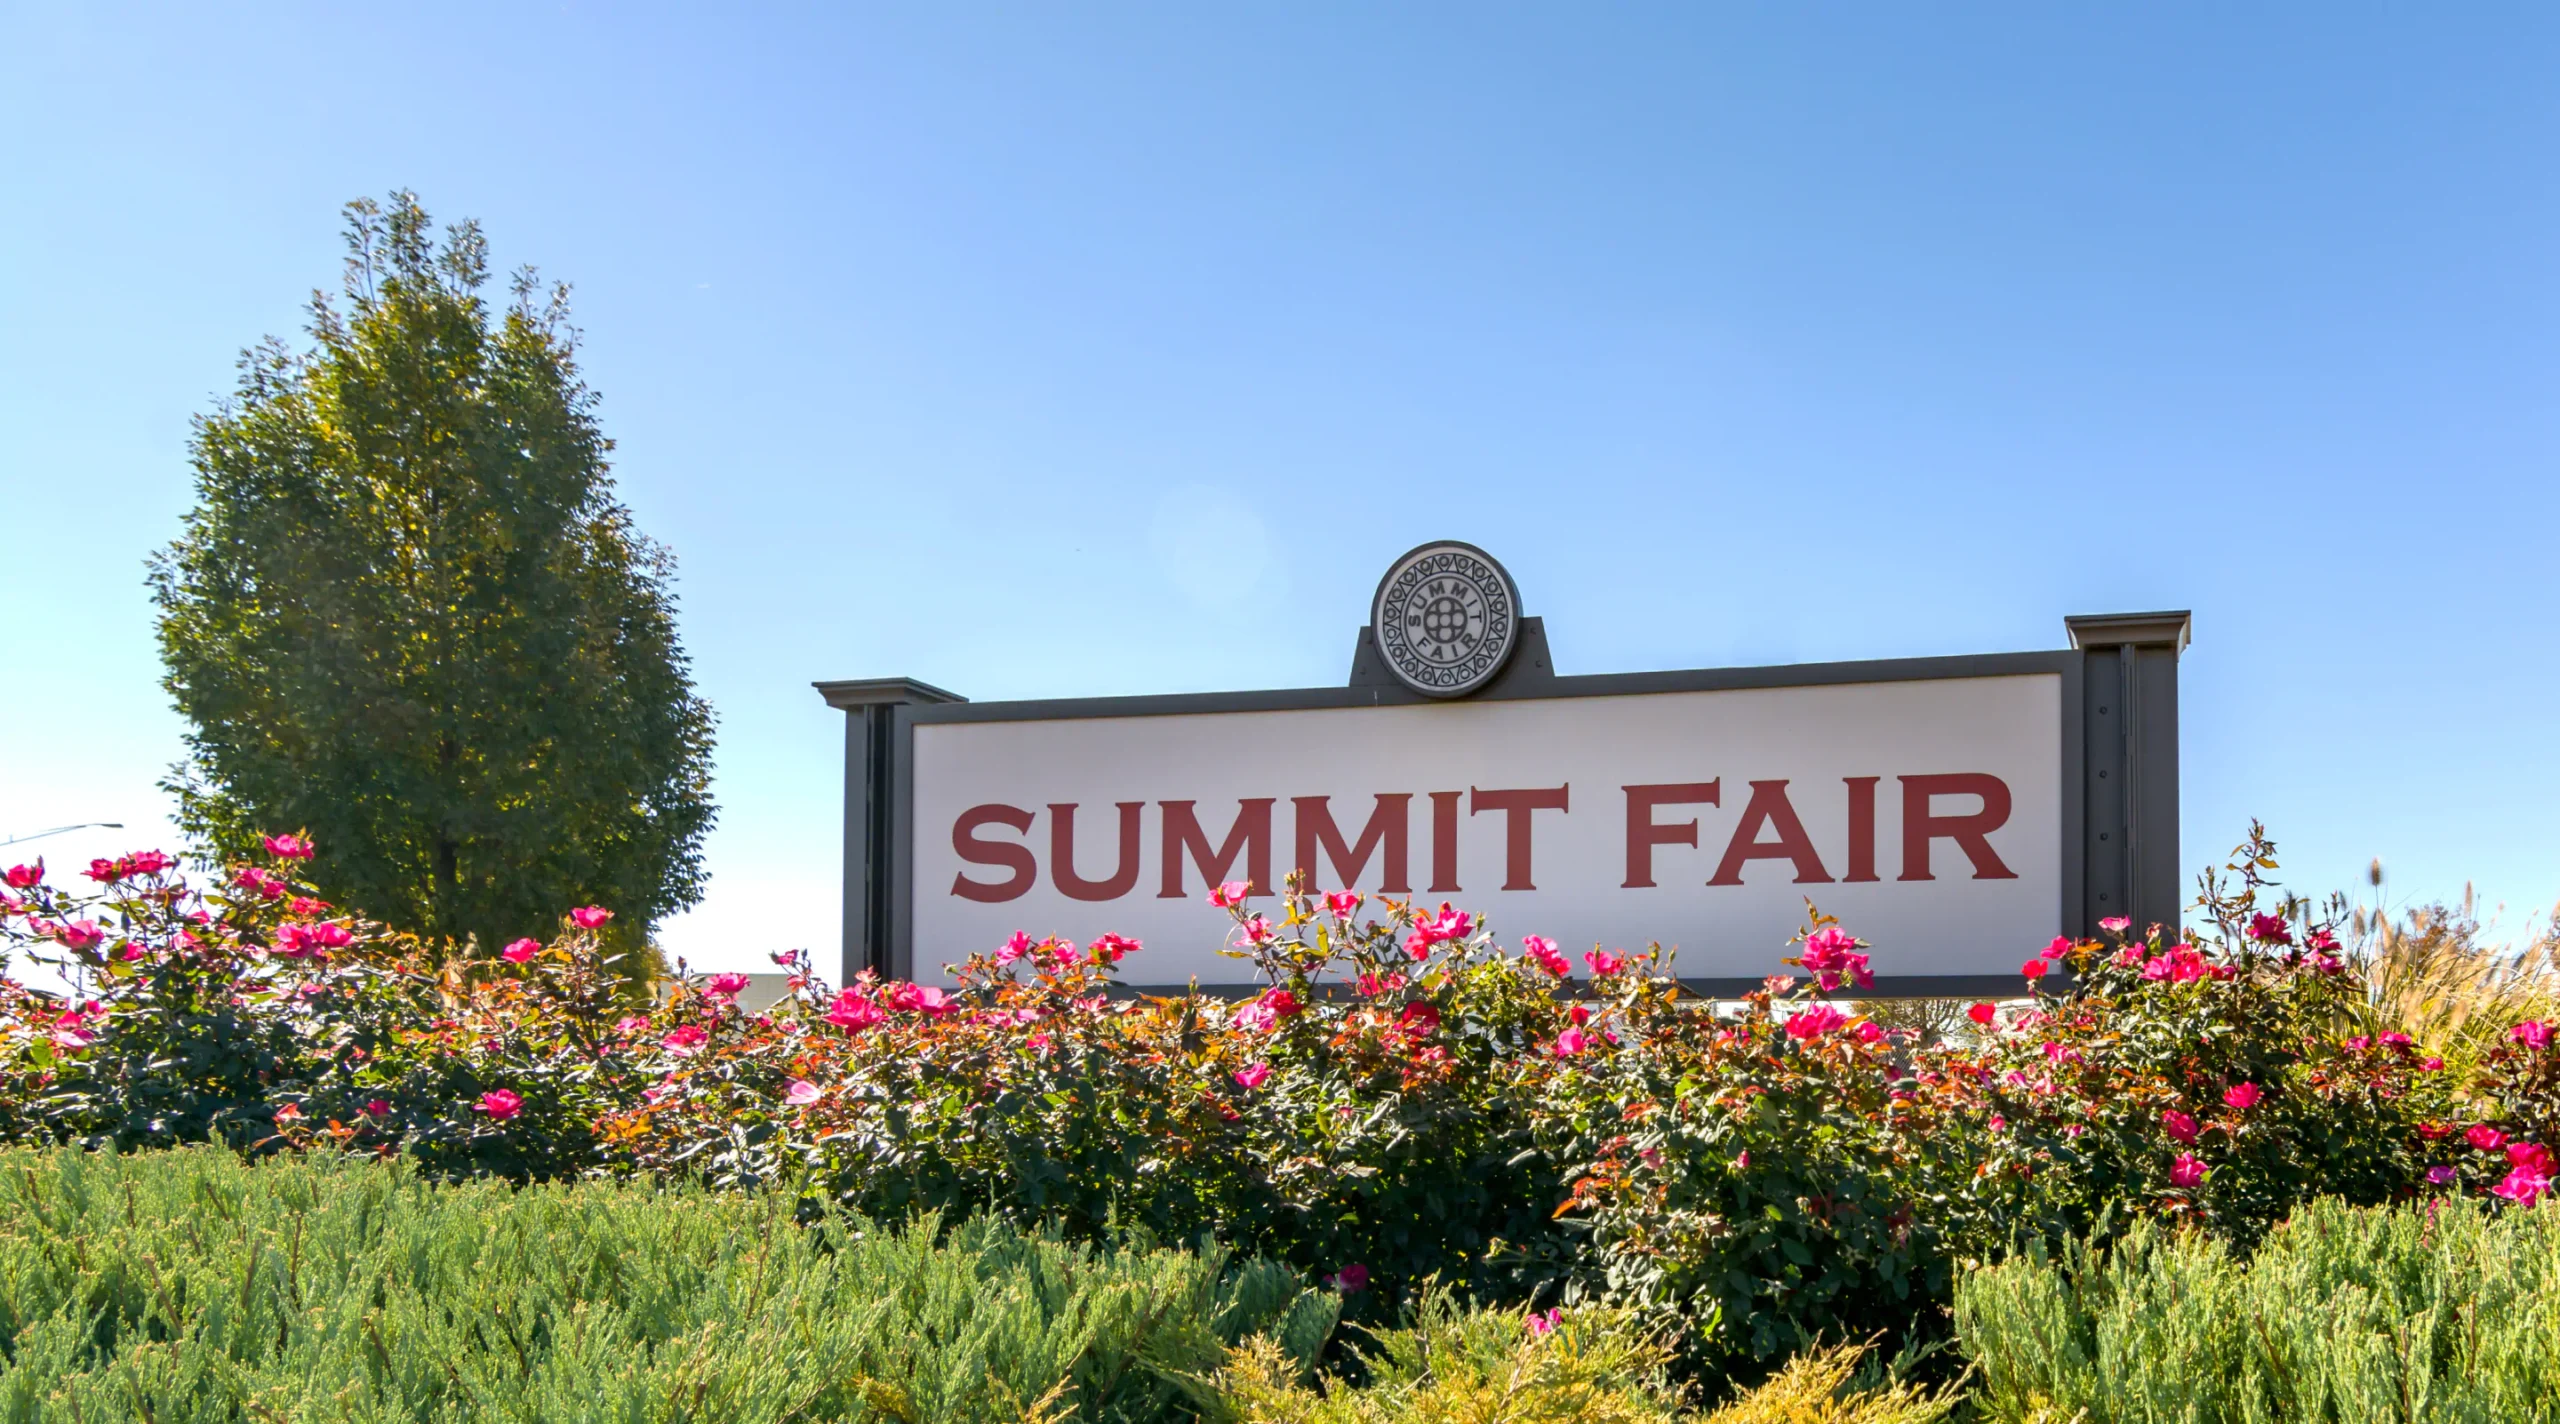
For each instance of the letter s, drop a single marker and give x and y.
(966, 844)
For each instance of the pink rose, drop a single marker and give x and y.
(1812, 1023)
(1252, 1075)
(520, 952)
(2441, 1176)
(1603, 962)
(1342, 903)
(1014, 948)
(2532, 1033)
(1351, 1279)
(501, 1104)
(2529, 1174)
(852, 1010)
(2178, 1125)
(2243, 1096)
(1446, 925)
(1545, 1324)
(1569, 1043)
(1869, 1031)
(80, 934)
(727, 986)
(1112, 948)
(289, 847)
(24, 877)
(588, 917)
(2115, 924)
(2187, 1171)
(1982, 1014)
(377, 1108)
(1419, 1019)
(2035, 969)
(684, 1040)
(2485, 1138)
(800, 1092)
(2270, 929)
(1230, 894)
(1541, 951)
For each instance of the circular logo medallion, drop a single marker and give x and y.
(1446, 619)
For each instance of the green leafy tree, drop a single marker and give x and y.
(408, 615)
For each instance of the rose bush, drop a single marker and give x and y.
(250, 1013)
(1405, 1098)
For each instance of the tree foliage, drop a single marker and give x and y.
(409, 615)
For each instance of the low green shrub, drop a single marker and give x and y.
(192, 1285)
(2423, 1312)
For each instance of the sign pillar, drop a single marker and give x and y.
(870, 841)
(2130, 765)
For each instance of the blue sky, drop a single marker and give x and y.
(1036, 351)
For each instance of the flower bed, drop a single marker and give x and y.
(1409, 1097)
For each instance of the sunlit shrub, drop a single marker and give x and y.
(2432, 1311)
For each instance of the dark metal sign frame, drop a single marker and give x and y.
(2119, 773)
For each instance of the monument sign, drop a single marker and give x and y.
(1956, 812)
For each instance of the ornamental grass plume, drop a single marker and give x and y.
(2437, 973)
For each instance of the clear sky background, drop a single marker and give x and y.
(1056, 350)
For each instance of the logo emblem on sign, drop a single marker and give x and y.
(1446, 619)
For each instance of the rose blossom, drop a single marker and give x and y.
(2243, 1096)
(2187, 1171)
(1982, 1014)
(1342, 903)
(800, 1092)
(289, 847)
(1229, 895)
(588, 917)
(2178, 1125)
(501, 1104)
(1252, 1074)
(2532, 1033)
(684, 1040)
(520, 951)
(2529, 1174)
(2485, 1138)
(727, 986)
(852, 1009)
(1811, 1023)
(1541, 951)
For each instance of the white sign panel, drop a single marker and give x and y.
(1926, 814)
